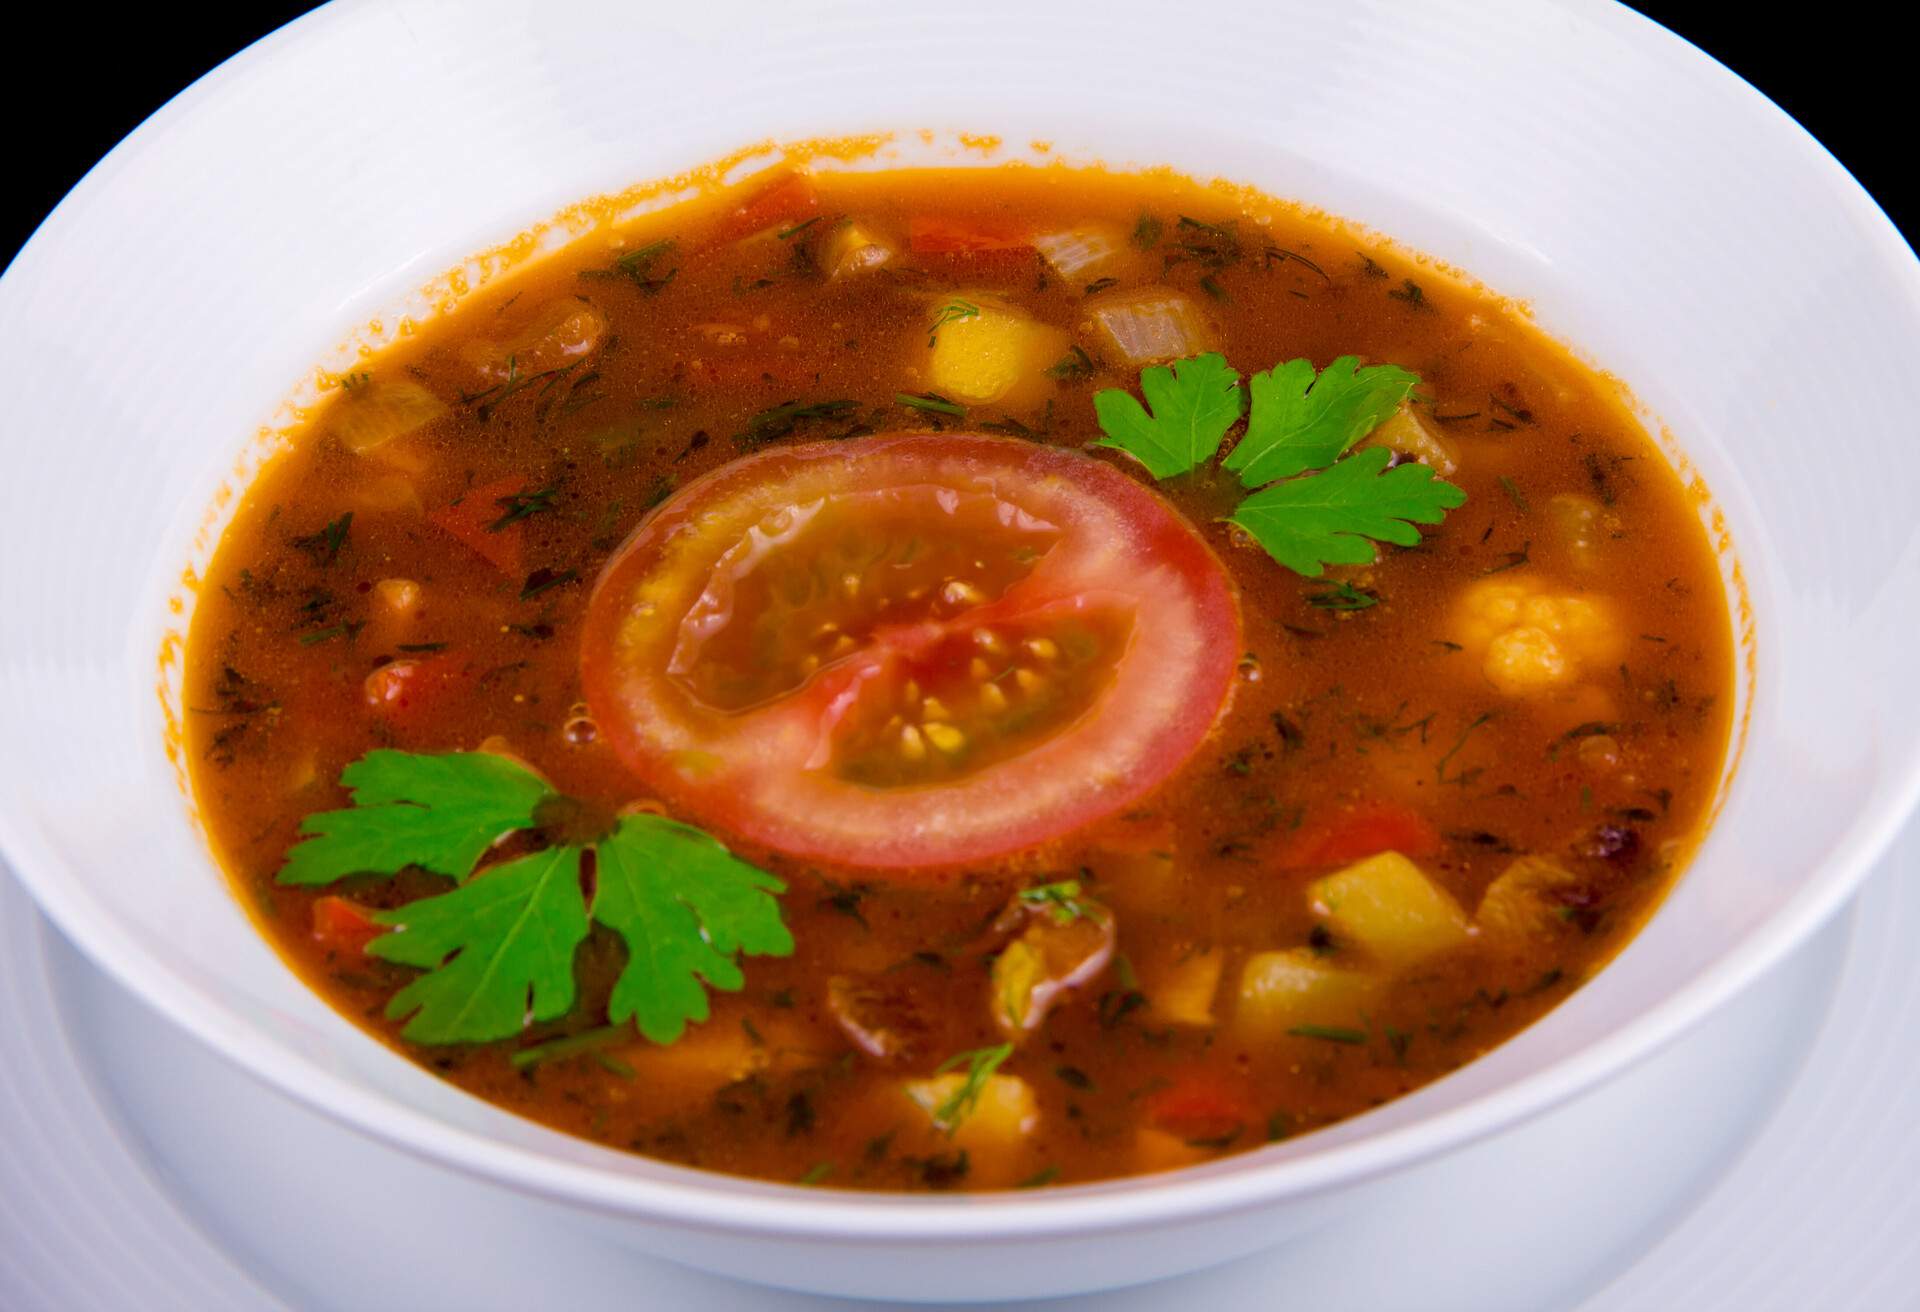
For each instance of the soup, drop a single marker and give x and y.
(959, 680)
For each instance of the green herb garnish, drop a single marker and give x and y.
(778, 421)
(544, 580)
(324, 546)
(572, 1045)
(522, 505)
(1076, 363)
(1329, 1033)
(951, 312)
(497, 952)
(932, 402)
(1343, 596)
(1299, 422)
(1194, 403)
(1060, 899)
(1335, 516)
(637, 267)
(960, 1104)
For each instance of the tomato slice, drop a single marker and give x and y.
(909, 651)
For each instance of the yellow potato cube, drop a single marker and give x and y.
(983, 352)
(1407, 431)
(995, 1133)
(1183, 992)
(1282, 990)
(1388, 907)
(1156, 1150)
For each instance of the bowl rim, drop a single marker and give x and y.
(718, 1202)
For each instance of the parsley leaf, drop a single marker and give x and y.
(1300, 421)
(1194, 404)
(686, 908)
(498, 950)
(1329, 517)
(440, 813)
(512, 934)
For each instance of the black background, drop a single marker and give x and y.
(87, 75)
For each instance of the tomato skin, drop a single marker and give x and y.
(1198, 1109)
(1365, 830)
(344, 927)
(764, 771)
(785, 202)
(466, 521)
(933, 234)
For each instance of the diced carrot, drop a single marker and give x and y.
(344, 927)
(1198, 1109)
(784, 202)
(469, 518)
(401, 692)
(933, 234)
(1359, 832)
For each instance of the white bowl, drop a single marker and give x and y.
(1652, 208)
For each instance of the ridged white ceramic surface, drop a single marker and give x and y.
(1654, 210)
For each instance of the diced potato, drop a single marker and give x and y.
(376, 410)
(1156, 1150)
(983, 352)
(1182, 993)
(1532, 639)
(719, 1052)
(1152, 325)
(1521, 907)
(1282, 990)
(1006, 1108)
(389, 494)
(1581, 524)
(1388, 907)
(853, 248)
(995, 1134)
(1408, 432)
(400, 597)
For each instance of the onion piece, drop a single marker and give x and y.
(374, 412)
(1077, 251)
(888, 1019)
(1062, 947)
(1152, 325)
(1407, 431)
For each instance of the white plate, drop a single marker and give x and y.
(118, 1128)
